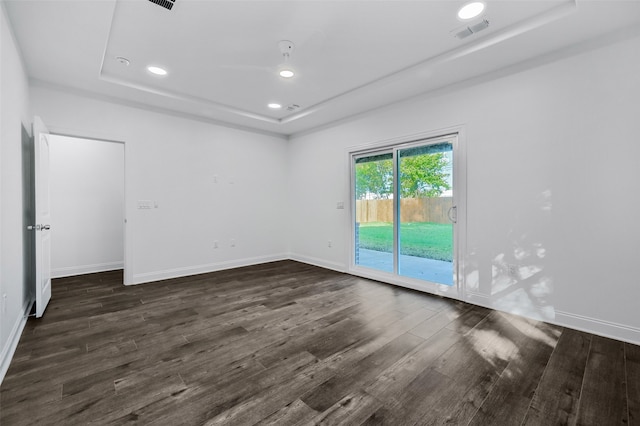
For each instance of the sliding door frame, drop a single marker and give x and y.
(456, 135)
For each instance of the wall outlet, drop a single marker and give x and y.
(512, 271)
(215, 244)
(233, 242)
(330, 243)
(4, 303)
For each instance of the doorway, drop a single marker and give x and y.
(87, 205)
(405, 209)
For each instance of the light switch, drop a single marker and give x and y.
(144, 204)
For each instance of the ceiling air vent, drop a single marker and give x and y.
(472, 29)
(293, 107)
(167, 4)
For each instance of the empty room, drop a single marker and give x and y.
(304, 212)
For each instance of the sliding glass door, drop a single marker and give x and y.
(425, 193)
(374, 226)
(404, 211)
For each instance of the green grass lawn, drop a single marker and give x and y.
(422, 239)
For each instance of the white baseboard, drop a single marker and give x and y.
(608, 329)
(69, 271)
(237, 263)
(603, 328)
(12, 342)
(203, 269)
(477, 299)
(335, 266)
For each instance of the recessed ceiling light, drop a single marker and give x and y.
(286, 73)
(274, 106)
(471, 10)
(157, 70)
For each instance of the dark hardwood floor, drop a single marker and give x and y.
(287, 343)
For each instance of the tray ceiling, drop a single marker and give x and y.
(222, 57)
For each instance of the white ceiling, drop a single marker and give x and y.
(350, 56)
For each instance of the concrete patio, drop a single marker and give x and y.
(436, 271)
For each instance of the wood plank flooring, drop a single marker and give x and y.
(286, 343)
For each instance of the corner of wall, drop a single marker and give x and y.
(322, 263)
(204, 269)
(14, 110)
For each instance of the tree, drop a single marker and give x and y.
(424, 175)
(421, 175)
(374, 179)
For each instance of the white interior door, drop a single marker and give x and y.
(43, 215)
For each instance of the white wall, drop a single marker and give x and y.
(553, 165)
(211, 183)
(87, 205)
(14, 108)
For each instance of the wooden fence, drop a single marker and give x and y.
(411, 210)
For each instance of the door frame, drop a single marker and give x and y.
(457, 290)
(127, 240)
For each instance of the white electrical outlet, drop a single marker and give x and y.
(233, 242)
(215, 244)
(329, 243)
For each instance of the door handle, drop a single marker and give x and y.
(46, 227)
(453, 218)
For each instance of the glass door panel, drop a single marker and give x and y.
(425, 205)
(374, 211)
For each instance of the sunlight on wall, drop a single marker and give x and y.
(520, 282)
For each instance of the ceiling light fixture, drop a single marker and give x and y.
(157, 70)
(286, 47)
(286, 73)
(471, 10)
(274, 106)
